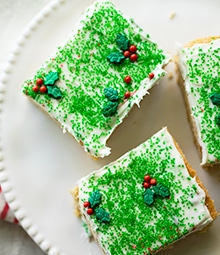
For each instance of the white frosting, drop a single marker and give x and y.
(192, 54)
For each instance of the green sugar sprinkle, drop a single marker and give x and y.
(135, 227)
(84, 73)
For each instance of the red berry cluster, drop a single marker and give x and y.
(131, 53)
(148, 181)
(39, 86)
(87, 205)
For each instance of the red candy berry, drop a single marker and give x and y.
(153, 181)
(151, 75)
(127, 53)
(39, 81)
(127, 94)
(35, 88)
(43, 89)
(148, 181)
(133, 57)
(146, 185)
(86, 204)
(133, 48)
(90, 211)
(147, 178)
(127, 79)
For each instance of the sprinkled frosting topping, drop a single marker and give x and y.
(200, 68)
(137, 227)
(86, 68)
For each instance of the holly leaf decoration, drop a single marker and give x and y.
(95, 198)
(51, 78)
(217, 119)
(54, 92)
(215, 98)
(102, 215)
(115, 57)
(148, 196)
(110, 109)
(122, 41)
(111, 94)
(161, 190)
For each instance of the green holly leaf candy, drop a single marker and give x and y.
(115, 57)
(54, 92)
(122, 41)
(215, 98)
(111, 94)
(148, 196)
(161, 191)
(217, 119)
(110, 109)
(102, 215)
(95, 198)
(51, 78)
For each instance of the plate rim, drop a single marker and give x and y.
(19, 212)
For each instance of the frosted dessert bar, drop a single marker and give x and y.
(199, 79)
(144, 201)
(90, 83)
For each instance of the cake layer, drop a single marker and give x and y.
(145, 201)
(200, 82)
(92, 81)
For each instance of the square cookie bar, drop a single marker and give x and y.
(144, 201)
(92, 81)
(199, 78)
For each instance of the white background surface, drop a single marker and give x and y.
(193, 19)
(14, 16)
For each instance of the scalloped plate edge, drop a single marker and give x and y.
(7, 187)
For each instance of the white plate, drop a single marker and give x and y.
(40, 164)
